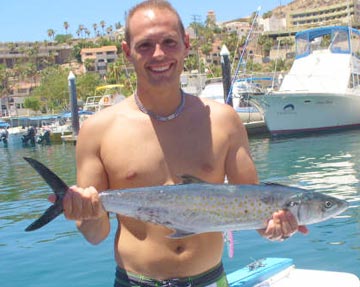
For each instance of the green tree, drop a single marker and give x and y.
(66, 27)
(6, 75)
(266, 43)
(86, 84)
(60, 38)
(95, 27)
(102, 25)
(232, 43)
(53, 90)
(51, 34)
(32, 103)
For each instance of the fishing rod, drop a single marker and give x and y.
(229, 96)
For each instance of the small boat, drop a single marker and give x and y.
(249, 112)
(322, 89)
(281, 272)
(244, 108)
(105, 96)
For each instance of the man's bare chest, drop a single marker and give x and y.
(142, 158)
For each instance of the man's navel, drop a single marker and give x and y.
(131, 175)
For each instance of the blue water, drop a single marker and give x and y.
(58, 256)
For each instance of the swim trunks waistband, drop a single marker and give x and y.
(215, 277)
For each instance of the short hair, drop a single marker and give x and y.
(152, 4)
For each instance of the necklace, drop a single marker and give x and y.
(170, 117)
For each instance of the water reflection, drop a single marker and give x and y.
(23, 192)
(328, 163)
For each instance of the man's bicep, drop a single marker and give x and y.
(240, 168)
(90, 170)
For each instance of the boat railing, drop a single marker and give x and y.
(92, 103)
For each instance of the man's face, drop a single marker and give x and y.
(157, 48)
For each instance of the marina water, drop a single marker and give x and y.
(57, 255)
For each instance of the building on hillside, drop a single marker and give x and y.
(273, 23)
(211, 16)
(239, 26)
(97, 59)
(13, 53)
(342, 13)
(13, 104)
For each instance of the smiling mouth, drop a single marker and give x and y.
(160, 69)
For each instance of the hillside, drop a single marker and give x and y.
(303, 4)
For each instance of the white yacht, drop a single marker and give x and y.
(322, 89)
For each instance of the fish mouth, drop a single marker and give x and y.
(345, 205)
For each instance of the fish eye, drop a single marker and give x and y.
(328, 204)
(292, 204)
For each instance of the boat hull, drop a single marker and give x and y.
(281, 272)
(290, 113)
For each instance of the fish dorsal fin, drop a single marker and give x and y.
(187, 179)
(273, 184)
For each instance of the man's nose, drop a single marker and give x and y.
(158, 51)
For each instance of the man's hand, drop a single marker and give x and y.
(281, 226)
(81, 203)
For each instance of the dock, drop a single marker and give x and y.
(69, 138)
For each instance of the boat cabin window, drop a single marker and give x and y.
(355, 45)
(335, 40)
(340, 42)
(354, 81)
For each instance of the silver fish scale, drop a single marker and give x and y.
(205, 207)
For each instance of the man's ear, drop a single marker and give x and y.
(187, 44)
(126, 49)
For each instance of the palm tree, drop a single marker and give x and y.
(51, 34)
(5, 89)
(95, 29)
(109, 30)
(87, 32)
(118, 25)
(81, 29)
(102, 24)
(114, 70)
(66, 26)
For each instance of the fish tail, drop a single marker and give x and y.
(58, 187)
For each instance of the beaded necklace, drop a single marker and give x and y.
(170, 117)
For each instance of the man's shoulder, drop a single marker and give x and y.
(218, 109)
(104, 118)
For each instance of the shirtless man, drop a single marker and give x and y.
(150, 138)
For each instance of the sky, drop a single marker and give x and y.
(29, 20)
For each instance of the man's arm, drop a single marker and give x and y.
(82, 203)
(239, 166)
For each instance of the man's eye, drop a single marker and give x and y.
(170, 43)
(144, 46)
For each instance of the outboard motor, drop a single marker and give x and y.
(44, 137)
(4, 136)
(30, 136)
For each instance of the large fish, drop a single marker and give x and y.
(195, 206)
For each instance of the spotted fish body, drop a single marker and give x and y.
(202, 207)
(195, 206)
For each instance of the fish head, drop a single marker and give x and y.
(311, 207)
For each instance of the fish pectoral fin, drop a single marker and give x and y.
(187, 179)
(178, 233)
